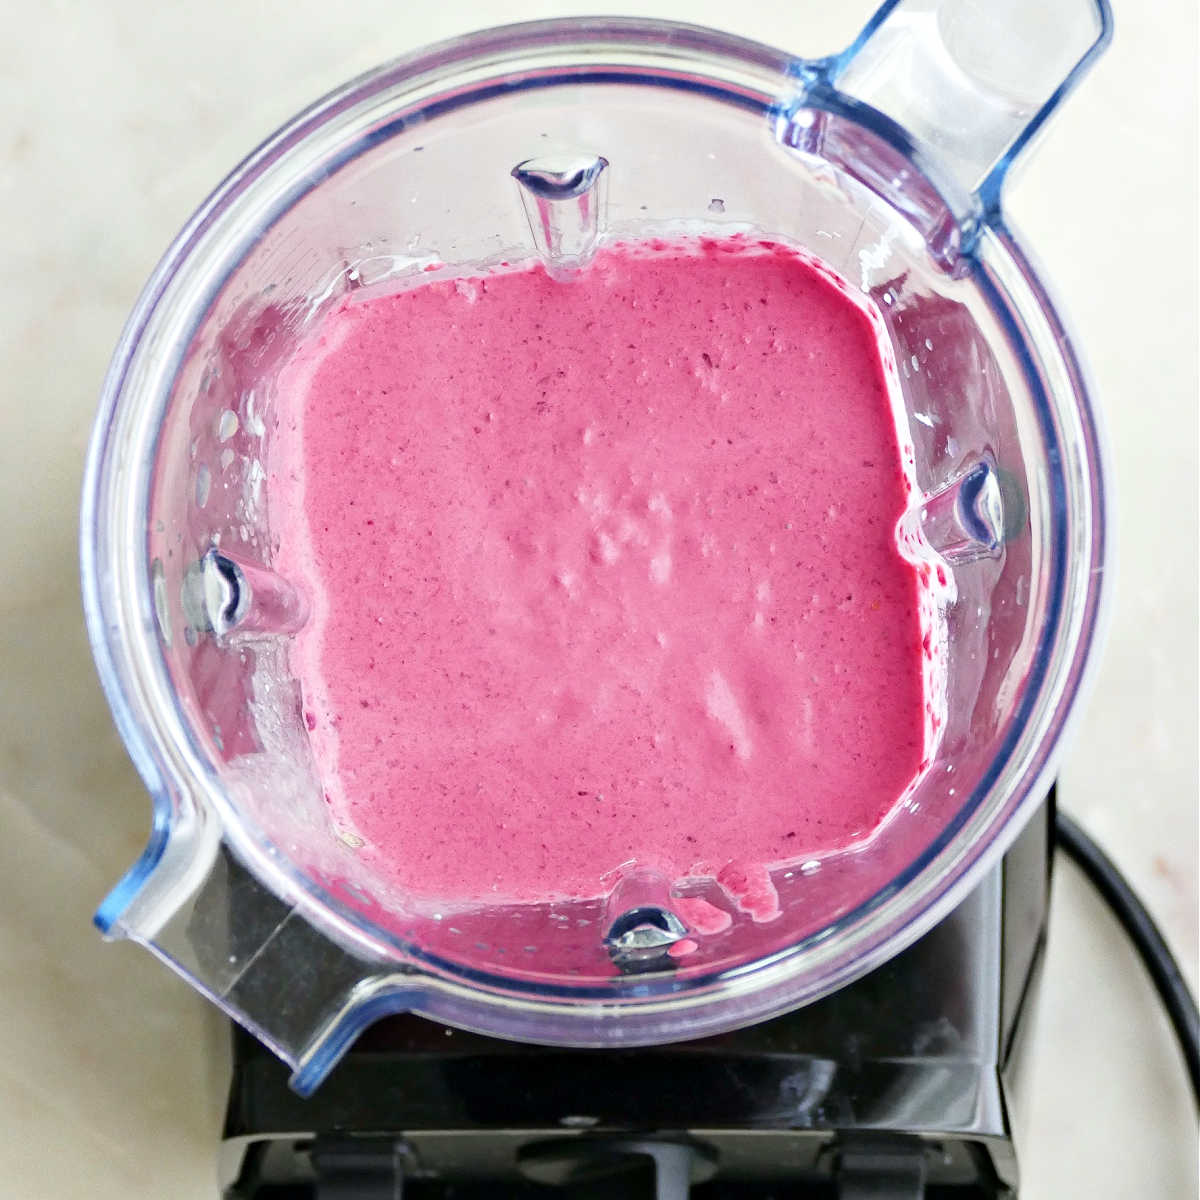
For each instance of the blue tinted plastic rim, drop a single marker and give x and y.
(497, 992)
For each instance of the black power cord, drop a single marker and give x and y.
(1147, 940)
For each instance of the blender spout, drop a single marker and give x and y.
(972, 84)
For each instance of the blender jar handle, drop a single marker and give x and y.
(972, 81)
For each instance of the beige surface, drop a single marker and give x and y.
(117, 118)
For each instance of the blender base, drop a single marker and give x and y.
(902, 1084)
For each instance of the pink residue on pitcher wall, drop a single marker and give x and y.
(603, 572)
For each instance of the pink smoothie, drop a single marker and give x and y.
(603, 572)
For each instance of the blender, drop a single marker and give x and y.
(887, 162)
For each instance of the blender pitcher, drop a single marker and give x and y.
(544, 140)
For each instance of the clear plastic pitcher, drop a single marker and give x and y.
(888, 163)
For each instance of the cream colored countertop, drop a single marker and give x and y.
(117, 118)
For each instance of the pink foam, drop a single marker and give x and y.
(603, 572)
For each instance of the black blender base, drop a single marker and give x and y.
(625, 1169)
(899, 1085)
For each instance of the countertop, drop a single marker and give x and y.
(118, 117)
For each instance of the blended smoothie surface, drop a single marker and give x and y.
(603, 573)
